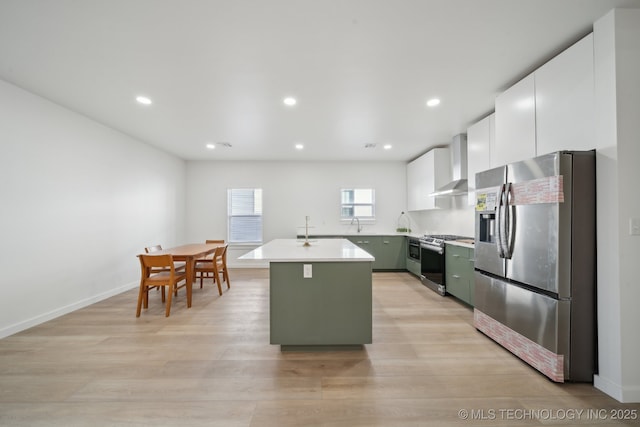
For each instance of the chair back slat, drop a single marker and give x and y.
(217, 255)
(156, 261)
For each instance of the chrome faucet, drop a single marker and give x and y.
(358, 220)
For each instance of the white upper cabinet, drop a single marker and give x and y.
(565, 100)
(480, 138)
(515, 124)
(415, 177)
(550, 110)
(426, 174)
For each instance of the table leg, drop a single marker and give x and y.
(190, 273)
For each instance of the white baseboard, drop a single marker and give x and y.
(26, 324)
(623, 394)
(607, 386)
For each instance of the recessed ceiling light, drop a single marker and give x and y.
(289, 101)
(387, 146)
(143, 100)
(211, 146)
(433, 102)
(299, 146)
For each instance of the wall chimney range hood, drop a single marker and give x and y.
(458, 150)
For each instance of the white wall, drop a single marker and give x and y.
(617, 89)
(79, 201)
(291, 190)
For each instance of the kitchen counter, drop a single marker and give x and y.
(324, 250)
(356, 234)
(464, 243)
(319, 295)
(389, 250)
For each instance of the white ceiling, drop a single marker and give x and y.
(217, 70)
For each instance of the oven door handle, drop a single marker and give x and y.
(435, 249)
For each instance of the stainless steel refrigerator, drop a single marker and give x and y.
(535, 260)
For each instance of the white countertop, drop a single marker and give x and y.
(321, 250)
(362, 233)
(459, 243)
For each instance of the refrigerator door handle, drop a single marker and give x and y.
(500, 229)
(509, 216)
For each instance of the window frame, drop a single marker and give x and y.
(230, 216)
(369, 219)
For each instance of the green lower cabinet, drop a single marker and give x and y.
(390, 252)
(459, 287)
(371, 244)
(332, 307)
(459, 272)
(414, 266)
(393, 253)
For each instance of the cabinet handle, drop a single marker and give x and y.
(386, 242)
(456, 256)
(366, 242)
(455, 276)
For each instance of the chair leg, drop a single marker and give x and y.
(169, 295)
(146, 297)
(226, 276)
(140, 297)
(216, 279)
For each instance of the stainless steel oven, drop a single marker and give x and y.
(432, 261)
(432, 265)
(413, 249)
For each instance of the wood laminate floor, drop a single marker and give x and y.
(212, 365)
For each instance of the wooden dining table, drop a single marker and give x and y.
(189, 253)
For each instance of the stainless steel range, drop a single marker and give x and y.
(432, 260)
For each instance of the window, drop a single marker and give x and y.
(358, 202)
(245, 215)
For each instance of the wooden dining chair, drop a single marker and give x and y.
(212, 268)
(158, 271)
(211, 242)
(154, 248)
(223, 267)
(179, 265)
(209, 257)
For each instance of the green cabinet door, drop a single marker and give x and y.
(370, 244)
(414, 266)
(393, 253)
(390, 252)
(459, 272)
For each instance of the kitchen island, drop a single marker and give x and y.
(319, 295)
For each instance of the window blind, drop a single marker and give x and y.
(245, 215)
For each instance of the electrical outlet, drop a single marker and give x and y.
(634, 226)
(307, 272)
